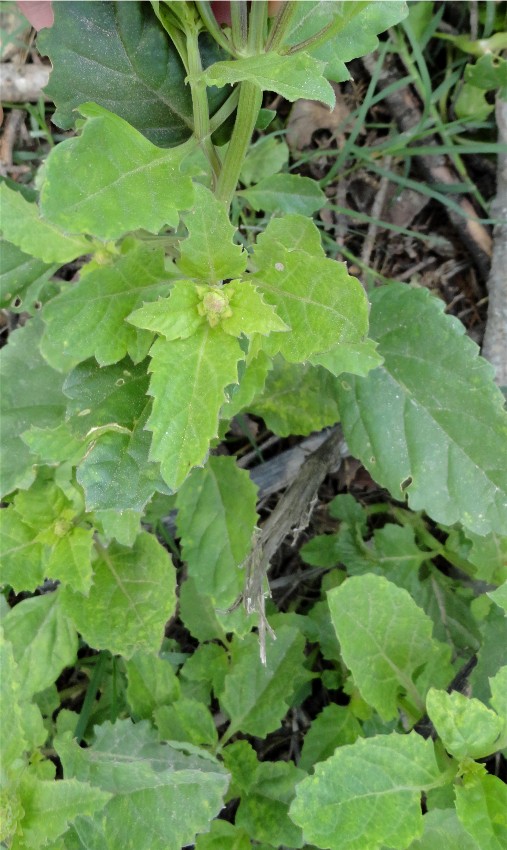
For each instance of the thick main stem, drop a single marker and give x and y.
(250, 100)
(200, 105)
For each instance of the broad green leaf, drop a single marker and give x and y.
(368, 794)
(188, 720)
(293, 76)
(385, 639)
(358, 358)
(352, 33)
(315, 296)
(132, 598)
(122, 526)
(189, 377)
(498, 686)
(23, 225)
(216, 521)
(54, 445)
(88, 318)
(466, 726)
(152, 682)
(488, 555)
(263, 811)
(44, 641)
(152, 784)
(429, 422)
(334, 727)
(266, 157)
(489, 72)
(482, 809)
(126, 63)
(297, 399)
(44, 405)
(116, 473)
(136, 186)
(287, 193)
(223, 836)
(49, 808)
(103, 395)
(443, 829)
(256, 696)
(208, 253)
(23, 279)
(491, 654)
(204, 672)
(499, 596)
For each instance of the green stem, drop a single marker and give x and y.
(91, 693)
(200, 105)
(281, 25)
(239, 24)
(225, 110)
(250, 100)
(257, 24)
(213, 27)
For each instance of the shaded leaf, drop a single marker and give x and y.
(23, 279)
(368, 794)
(43, 405)
(216, 521)
(265, 157)
(152, 682)
(288, 193)
(334, 727)
(443, 829)
(255, 696)
(429, 422)
(88, 318)
(137, 185)
(188, 720)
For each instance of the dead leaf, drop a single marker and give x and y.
(309, 116)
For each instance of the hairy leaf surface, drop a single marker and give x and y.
(110, 180)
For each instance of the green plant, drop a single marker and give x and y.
(117, 390)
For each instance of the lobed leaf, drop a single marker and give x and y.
(429, 422)
(110, 180)
(368, 794)
(466, 726)
(209, 253)
(189, 377)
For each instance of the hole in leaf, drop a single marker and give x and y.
(406, 483)
(17, 301)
